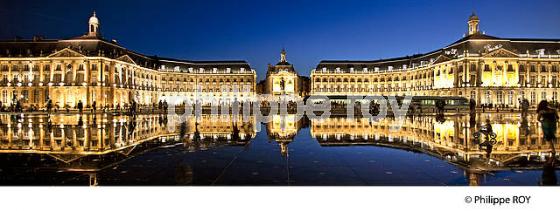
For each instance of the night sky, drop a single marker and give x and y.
(256, 31)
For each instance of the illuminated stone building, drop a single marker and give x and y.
(489, 69)
(283, 79)
(91, 69)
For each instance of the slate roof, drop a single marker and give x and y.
(96, 46)
(473, 44)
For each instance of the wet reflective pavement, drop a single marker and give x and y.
(220, 150)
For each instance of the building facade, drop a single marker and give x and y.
(91, 69)
(491, 70)
(283, 79)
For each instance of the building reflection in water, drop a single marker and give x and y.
(519, 141)
(213, 130)
(283, 128)
(89, 144)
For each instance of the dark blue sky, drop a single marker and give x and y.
(256, 30)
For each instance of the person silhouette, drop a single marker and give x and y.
(489, 129)
(93, 106)
(235, 132)
(80, 106)
(549, 122)
(524, 125)
(472, 119)
(472, 106)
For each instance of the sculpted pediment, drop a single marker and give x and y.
(441, 58)
(500, 52)
(127, 59)
(66, 52)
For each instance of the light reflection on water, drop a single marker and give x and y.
(223, 150)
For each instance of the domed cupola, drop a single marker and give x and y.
(93, 26)
(473, 24)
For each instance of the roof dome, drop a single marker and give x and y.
(93, 19)
(473, 17)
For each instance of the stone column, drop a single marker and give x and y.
(87, 72)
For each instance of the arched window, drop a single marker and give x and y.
(69, 75)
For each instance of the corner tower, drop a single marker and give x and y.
(93, 26)
(473, 24)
